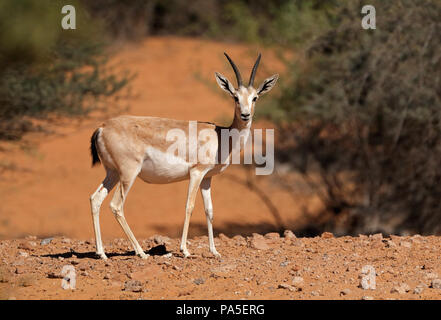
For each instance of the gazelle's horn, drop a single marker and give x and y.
(253, 73)
(236, 71)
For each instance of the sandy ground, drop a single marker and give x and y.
(45, 184)
(256, 267)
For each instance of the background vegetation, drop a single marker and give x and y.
(358, 115)
(45, 69)
(361, 118)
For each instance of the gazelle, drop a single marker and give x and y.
(130, 147)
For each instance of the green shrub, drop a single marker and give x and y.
(363, 114)
(45, 69)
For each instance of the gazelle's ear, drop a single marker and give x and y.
(224, 83)
(267, 84)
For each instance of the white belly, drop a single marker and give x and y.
(162, 167)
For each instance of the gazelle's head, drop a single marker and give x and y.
(245, 97)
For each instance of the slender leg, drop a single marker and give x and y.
(96, 200)
(196, 177)
(206, 196)
(117, 204)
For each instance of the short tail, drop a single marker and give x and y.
(93, 147)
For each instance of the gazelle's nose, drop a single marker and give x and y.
(245, 117)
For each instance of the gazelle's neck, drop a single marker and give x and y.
(239, 124)
(244, 132)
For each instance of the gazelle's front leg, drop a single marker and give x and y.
(196, 177)
(206, 196)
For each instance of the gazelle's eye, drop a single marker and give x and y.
(254, 99)
(236, 99)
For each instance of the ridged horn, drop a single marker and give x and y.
(236, 71)
(253, 73)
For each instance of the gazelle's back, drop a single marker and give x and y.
(143, 140)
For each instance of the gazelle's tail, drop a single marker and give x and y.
(93, 147)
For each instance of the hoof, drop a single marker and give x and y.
(186, 253)
(216, 254)
(101, 255)
(143, 255)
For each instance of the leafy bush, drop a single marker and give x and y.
(45, 69)
(361, 119)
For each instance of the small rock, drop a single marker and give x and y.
(161, 239)
(223, 271)
(199, 281)
(406, 244)
(377, 236)
(20, 270)
(289, 234)
(46, 241)
(345, 292)
(25, 246)
(297, 243)
(53, 275)
(239, 240)
(258, 243)
(327, 235)
(272, 236)
(133, 286)
(286, 286)
(284, 263)
(298, 282)
(436, 284)
(107, 276)
(30, 237)
(367, 298)
(207, 255)
(419, 289)
(223, 237)
(314, 293)
(390, 244)
(401, 288)
(23, 254)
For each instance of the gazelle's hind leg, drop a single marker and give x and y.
(206, 196)
(196, 177)
(96, 200)
(117, 204)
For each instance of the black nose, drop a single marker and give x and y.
(245, 116)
